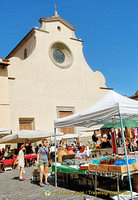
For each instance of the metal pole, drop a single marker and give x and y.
(123, 136)
(118, 187)
(79, 135)
(55, 160)
(95, 185)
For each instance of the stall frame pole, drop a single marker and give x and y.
(55, 159)
(123, 136)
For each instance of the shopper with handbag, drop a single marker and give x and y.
(43, 160)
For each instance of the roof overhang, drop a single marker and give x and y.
(19, 45)
(4, 62)
(23, 41)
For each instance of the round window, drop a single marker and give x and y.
(58, 55)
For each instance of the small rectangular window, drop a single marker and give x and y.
(63, 111)
(26, 124)
(66, 130)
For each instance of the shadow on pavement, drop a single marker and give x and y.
(16, 178)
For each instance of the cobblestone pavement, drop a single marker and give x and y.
(13, 189)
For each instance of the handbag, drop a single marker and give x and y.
(15, 162)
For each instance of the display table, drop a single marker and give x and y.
(94, 152)
(65, 171)
(30, 156)
(112, 175)
(8, 162)
(68, 170)
(95, 174)
(30, 159)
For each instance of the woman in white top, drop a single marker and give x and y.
(20, 159)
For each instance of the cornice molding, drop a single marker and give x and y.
(79, 40)
(57, 18)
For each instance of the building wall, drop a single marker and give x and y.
(29, 46)
(4, 103)
(40, 86)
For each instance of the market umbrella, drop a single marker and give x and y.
(23, 136)
(4, 132)
(118, 125)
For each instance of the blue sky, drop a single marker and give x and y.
(109, 29)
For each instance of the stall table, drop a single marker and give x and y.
(30, 159)
(94, 152)
(112, 175)
(94, 173)
(65, 171)
(9, 162)
(68, 170)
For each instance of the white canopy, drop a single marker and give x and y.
(4, 132)
(24, 135)
(105, 111)
(90, 129)
(112, 108)
(68, 136)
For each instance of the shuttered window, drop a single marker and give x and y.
(66, 130)
(25, 124)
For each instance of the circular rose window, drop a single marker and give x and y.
(60, 55)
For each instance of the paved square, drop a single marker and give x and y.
(13, 189)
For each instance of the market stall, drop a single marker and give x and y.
(24, 136)
(112, 108)
(104, 174)
(10, 163)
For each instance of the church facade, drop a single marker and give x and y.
(47, 78)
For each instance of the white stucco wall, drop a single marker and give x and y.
(40, 86)
(4, 103)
